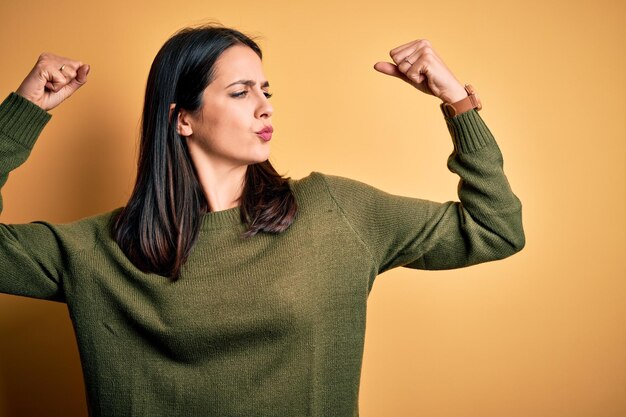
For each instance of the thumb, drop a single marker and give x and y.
(80, 79)
(389, 69)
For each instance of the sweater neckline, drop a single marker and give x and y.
(222, 218)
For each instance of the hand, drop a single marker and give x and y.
(418, 64)
(52, 80)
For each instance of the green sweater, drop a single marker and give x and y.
(272, 325)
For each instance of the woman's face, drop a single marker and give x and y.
(234, 108)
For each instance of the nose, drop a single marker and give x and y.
(264, 108)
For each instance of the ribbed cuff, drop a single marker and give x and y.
(22, 120)
(469, 132)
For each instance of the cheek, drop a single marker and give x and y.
(231, 120)
(225, 134)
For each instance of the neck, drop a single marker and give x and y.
(221, 182)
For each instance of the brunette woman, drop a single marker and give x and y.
(222, 288)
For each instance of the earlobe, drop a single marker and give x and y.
(183, 128)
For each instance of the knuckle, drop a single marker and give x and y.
(429, 56)
(43, 59)
(413, 75)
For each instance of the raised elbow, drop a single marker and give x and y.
(519, 241)
(514, 239)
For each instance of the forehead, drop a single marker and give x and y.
(238, 62)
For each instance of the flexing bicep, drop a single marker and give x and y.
(31, 261)
(484, 225)
(30, 254)
(458, 239)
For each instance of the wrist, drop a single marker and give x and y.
(454, 95)
(467, 103)
(28, 97)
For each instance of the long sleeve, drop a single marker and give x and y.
(484, 225)
(30, 254)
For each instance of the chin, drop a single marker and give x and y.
(261, 157)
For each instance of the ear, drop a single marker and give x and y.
(183, 126)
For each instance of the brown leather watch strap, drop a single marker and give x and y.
(468, 103)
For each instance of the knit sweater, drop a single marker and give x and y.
(271, 325)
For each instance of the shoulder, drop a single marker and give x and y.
(321, 189)
(326, 183)
(85, 233)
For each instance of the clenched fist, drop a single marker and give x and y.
(418, 64)
(52, 80)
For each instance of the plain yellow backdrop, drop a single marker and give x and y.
(542, 333)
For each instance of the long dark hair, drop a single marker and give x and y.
(160, 224)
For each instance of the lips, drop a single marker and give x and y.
(266, 133)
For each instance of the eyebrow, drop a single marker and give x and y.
(249, 83)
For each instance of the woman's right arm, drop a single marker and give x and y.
(30, 254)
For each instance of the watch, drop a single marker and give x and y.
(468, 103)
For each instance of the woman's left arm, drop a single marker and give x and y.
(484, 225)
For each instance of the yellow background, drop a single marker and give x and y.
(540, 334)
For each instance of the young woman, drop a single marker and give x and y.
(222, 288)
